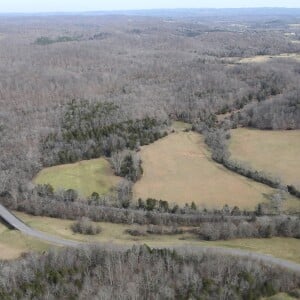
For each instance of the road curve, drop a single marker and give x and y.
(16, 223)
(251, 256)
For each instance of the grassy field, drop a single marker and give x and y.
(266, 58)
(86, 177)
(180, 126)
(13, 243)
(280, 296)
(286, 248)
(275, 152)
(178, 168)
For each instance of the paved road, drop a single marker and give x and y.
(16, 223)
(264, 258)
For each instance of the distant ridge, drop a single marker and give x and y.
(182, 12)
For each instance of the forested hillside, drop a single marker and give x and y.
(84, 87)
(142, 273)
(147, 67)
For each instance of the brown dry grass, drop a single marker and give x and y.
(275, 152)
(266, 58)
(179, 169)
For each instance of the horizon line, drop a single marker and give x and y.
(143, 9)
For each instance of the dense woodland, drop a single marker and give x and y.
(141, 273)
(80, 87)
(90, 130)
(149, 69)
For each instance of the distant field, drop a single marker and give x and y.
(266, 58)
(294, 25)
(286, 248)
(86, 177)
(13, 243)
(275, 152)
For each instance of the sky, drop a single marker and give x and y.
(98, 5)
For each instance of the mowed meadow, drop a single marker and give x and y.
(274, 152)
(13, 244)
(179, 169)
(86, 177)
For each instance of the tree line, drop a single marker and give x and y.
(218, 224)
(143, 273)
(217, 136)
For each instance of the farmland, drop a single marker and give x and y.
(150, 146)
(179, 169)
(275, 152)
(85, 177)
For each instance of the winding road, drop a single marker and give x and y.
(252, 256)
(16, 223)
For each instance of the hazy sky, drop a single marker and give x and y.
(89, 5)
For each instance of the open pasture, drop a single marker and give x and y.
(86, 177)
(178, 168)
(274, 152)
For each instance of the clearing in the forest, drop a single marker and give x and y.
(179, 169)
(86, 177)
(274, 152)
